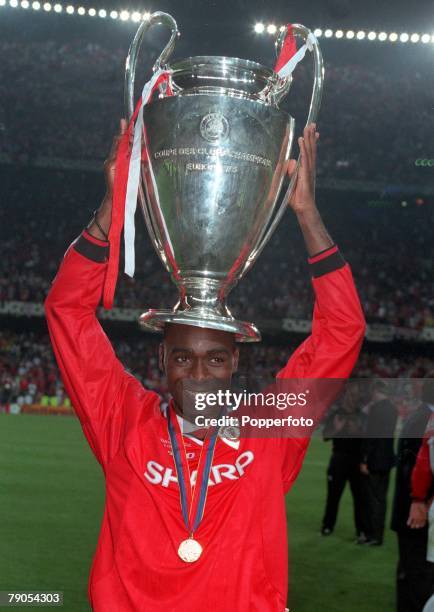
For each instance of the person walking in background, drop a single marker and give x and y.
(344, 422)
(422, 494)
(378, 458)
(415, 575)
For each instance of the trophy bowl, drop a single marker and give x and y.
(226, 76)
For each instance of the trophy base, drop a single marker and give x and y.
(154, 321)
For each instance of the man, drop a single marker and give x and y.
(422, 491)
(344, 426)
(144, 558)
(378, 458)
(415, 575)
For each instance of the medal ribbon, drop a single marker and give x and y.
(192, 505)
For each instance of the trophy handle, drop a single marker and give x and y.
(315, 102)
(158, 18)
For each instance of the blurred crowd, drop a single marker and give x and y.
(75, 89)
(75, 93)
(389, 249)
(29, 374)
(61, 102)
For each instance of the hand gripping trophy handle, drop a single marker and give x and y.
(315, 102)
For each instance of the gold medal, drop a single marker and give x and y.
(190, 550)
(192, 507)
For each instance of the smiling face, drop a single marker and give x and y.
(197, 359)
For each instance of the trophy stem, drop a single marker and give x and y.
(201, 304)
(204, 296)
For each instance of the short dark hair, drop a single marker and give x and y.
(169, 326)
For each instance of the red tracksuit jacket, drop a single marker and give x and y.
(422, 478)
(244, 566)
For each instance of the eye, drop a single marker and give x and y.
(217, 360)
(181, 359)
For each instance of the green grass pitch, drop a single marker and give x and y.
(51, 502)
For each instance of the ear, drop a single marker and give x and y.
(236, 359)
(161, 357)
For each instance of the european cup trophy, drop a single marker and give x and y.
(214, 152)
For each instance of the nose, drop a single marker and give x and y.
(199, 370)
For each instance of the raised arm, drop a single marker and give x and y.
(338, 324)
(99, 226)
(93, 376)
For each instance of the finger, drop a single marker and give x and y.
(312, 145)
(306, 135)
(312, 134)
(308, 142)
(309, 128)
(124, 128)
(315, 138)
(302, 145)
(114, 147)
(116, 140)
(292, 163)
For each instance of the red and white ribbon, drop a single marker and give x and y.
(134, 173)
(289, 57)
(125, 190)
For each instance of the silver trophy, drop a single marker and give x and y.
(216, 152)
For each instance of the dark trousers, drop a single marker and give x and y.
(414, 575)
(375, 487)
(342, 469)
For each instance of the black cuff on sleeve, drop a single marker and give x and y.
(95, 252)
(328, 264)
